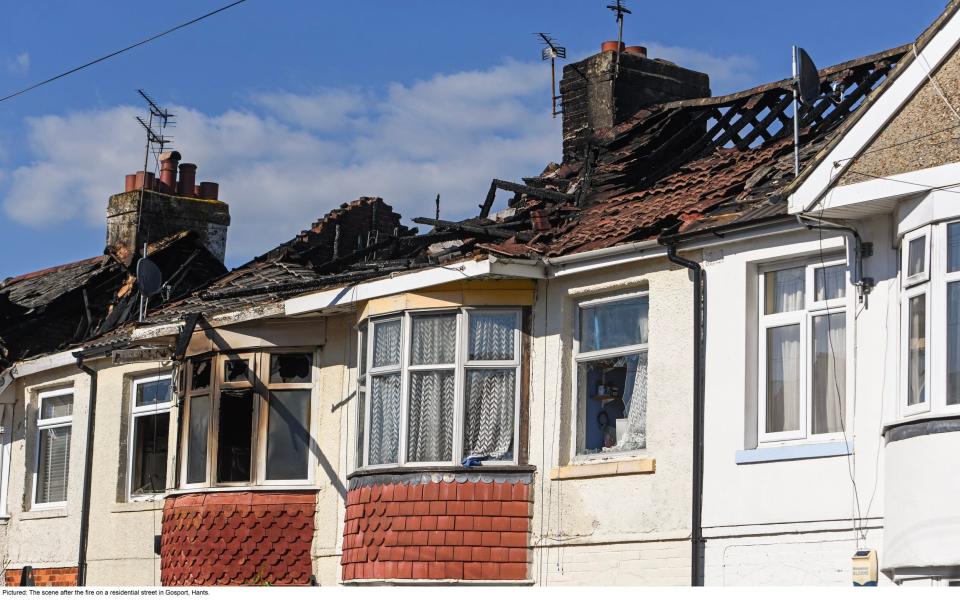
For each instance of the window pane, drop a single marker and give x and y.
(53, 407)
(200, 374)
(386, 343)
(234, 433)
(288, 434)
(197, 439)
(153, 392)
(614, 324)
(783, 290)
(149, 465)
(361, 422)
(783, 379)
(290, 368)
(492, 336)
(915, 255)
(434, 340)
(829, 373)
(362, 367)
(430, 427)
(953, 343)
(830, 282)
(236, 370)
(614, 396)
(384, 419)
(953, 247)
(490, 398)
(917, 350)
(53, 469)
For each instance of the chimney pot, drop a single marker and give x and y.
(139, 182)
(168, 171)
(130, 182)
(638, 50)
(209, 190)
(188, 177)
(611, 46)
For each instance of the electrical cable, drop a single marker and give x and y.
(121, 51)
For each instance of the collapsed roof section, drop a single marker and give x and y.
(59, 307)
(687, 165)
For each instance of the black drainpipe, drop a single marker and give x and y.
(87, 474)
(699, 344)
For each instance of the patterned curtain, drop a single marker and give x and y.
(488, 427)
(430, 437)
(635, 405)
(384, 419)
(386, 344)
(491, 336)
(434, 340)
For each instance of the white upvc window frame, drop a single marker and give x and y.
(460, 367)
(138, 412)
(259, 382)
(940, 306)
(42, 425)
(579, 404)
(804, 318)
(924, 275)
(922, 283)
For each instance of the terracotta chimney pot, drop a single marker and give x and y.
(188, 177)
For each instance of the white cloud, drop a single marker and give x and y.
(19, 64)
(287, 159)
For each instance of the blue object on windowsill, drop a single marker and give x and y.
(474, 461)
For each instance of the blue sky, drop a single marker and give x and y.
(297, 106)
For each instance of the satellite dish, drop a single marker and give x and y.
(808, 80)
(149, 277)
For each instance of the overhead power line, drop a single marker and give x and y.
(121, 51)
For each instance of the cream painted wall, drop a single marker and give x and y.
(625, 529)
(44, 538)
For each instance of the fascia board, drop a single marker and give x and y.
(385, 287)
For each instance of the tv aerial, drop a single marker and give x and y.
(552, 51)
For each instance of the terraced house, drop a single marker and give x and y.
(670, 358)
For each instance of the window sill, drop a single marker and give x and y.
(44, 513)
(643, 466)
(244, 488)
(501, 468)
(793, 452)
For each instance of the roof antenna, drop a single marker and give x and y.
(806, 90)
(619, 8)
(551, 51)
(156, 122)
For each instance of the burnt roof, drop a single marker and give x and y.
(684, 166)
(55, 308)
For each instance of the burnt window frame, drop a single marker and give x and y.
(259, 384)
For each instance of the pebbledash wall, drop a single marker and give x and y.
(620, 519)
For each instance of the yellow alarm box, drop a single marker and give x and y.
(865, 568)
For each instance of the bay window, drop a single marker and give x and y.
(930, 320)
(611, 372)
(248, 419)
(438, 387)
(803, 344)
(149, 431)
(54, 432)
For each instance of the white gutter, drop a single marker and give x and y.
(37, 365)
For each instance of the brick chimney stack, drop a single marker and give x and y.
(169, 207)
(593, 99)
